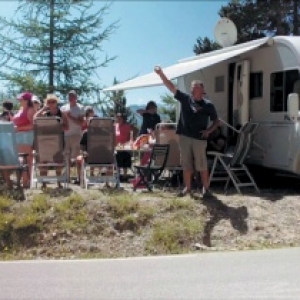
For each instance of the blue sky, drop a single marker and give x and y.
(149, 33)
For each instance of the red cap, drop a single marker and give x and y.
(25, 96)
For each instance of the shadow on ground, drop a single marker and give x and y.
(217, 211)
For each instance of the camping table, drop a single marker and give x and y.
(136, 154)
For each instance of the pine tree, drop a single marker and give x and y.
(57, 43)
(256, 19)
(205, 45)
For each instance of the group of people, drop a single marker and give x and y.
(192, 128)
(29, 108)
(75, 119)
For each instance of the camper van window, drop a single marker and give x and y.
(256, 85)
(282, 84)
(219, 84)
(290, 78)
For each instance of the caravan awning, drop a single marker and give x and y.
(188, 66)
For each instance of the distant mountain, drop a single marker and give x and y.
(135, 107)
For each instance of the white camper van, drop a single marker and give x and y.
(256, 81)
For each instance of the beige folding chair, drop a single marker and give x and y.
(100, 154)
(165, 133)
(10, 159)
(49, 152)
(230, 166)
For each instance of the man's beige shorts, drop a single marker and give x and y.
(193, 153)
(72, 145)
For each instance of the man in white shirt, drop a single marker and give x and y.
(75, 114)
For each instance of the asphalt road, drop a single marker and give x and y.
(268, 274)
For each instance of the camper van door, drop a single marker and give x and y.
(241, 93)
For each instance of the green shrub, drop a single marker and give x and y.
(5, 203)
(129, 222)
(145, 214)
(39, 203)
(73, 202)
(29, 220)
(72, 213)
(6, 221)
(120, 206)
(179, 204)
(174, 235)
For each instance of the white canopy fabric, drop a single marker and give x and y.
(188, 66)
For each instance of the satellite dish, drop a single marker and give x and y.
(225, 32)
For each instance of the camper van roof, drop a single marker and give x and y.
(191, 64)
(255, 43)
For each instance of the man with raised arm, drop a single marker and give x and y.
(193, 131)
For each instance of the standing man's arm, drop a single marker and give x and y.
(211, 128)
(166, 81)
(215, 123)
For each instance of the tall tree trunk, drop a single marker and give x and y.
(51, 52)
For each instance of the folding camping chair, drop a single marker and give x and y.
(232, 164)
(10, 159)
(49, 152)
(148, 175)
(100, 154)
(165, 133)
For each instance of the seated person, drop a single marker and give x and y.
(216, 141)
(123, 135)
(51, 109)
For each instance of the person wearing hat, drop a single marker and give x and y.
(193, 131)
(36, 102)
(23, 121)
(75, 115)
(51, 109)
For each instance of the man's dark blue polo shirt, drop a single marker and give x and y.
(194, 115)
